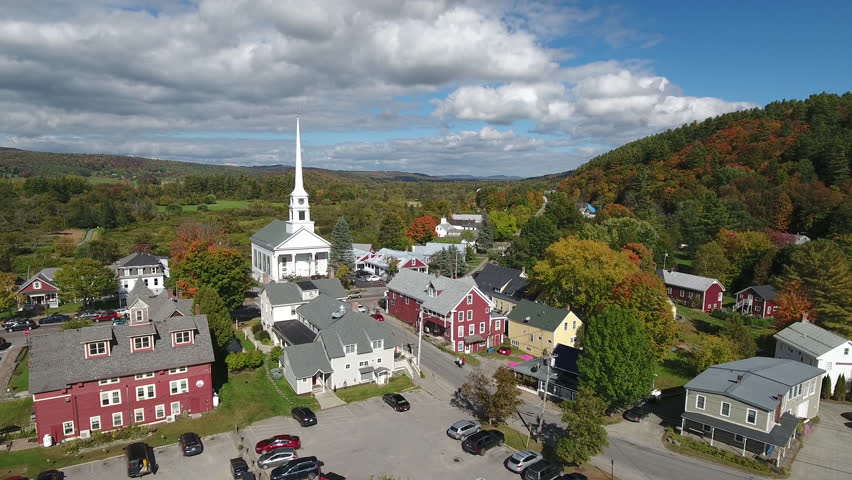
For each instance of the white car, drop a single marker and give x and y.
(360, 308)
(374, 278)
(123, 312)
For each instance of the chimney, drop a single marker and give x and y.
(568, 308)
(805, 317)
(739, 379)
(198, 309)
(523, 272)
(170, 294)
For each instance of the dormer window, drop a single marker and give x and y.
(378, 344)
(37, 285)
(96, 349)
(349, 349)
(182, 338)
(142, 343)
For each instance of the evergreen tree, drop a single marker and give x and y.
(392, 233)
(341, 246)
(826, 388)
(208, 302)
(486, 235)
(840, 388)
(586, 435)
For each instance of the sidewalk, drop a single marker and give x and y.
(7, 367)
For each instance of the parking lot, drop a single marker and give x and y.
(367, 439)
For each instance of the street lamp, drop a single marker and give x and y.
(665, 257)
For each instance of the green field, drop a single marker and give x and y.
(363, 392)
(225, 205)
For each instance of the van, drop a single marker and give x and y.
(481, 441)
(140, 459)
(543, 470)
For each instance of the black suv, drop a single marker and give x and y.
(296, 469)
(55, 318)
(397, 402)
(543, 470)
(240, 469)
(18, 324)
(304, 416)
(190, 444)
(480, 442)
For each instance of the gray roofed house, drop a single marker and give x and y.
(58, 360)
(160, 306)
(280, 302)
(452, 292)
(41, 288)
(355, 328)
(138, 268)
(686, 280)
(767, 292)
(815, 346)
(305, 360)
(810, 338)
(410, 283)
(320, 312)
(271, 235)
(365, 247)
(138, 259)
(503, 283)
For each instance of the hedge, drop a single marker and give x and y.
(244, 360)
(725, 456)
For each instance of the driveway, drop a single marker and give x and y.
(366, 439)
(825, 454)
(212, 464)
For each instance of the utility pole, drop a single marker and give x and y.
(665, 257)
(549, 359)
(419, 341)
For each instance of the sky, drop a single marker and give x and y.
(476, 87)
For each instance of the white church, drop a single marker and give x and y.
(283, 250)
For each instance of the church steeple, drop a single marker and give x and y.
(300, 209)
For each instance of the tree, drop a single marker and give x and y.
(840, 388)
(341, 246)
(9, 296)
(736, 330)
(506, 398)
(709, 350)
(529, 247)
(208, 302)
(823, 268)
(580, 273)
(86, 280)
(793, 305)
(644, 295)
(450, 262)
(220, 268)
(476, 393)
(825, 392)
(486, 235)
(615, 363)
(710, 261)
(422, 229)
(563, 212)
(392, 233)
(505, 225)
(102, 250)
(586, 435)
(345, 275)
(782, 212)
(618, 232)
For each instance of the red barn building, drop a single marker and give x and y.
(454, 309)
(758, 301)
(155, 367)
(693, 291)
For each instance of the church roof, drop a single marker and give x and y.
(272, 235)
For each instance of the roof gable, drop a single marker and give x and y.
(538, 315)
(138, 259)
(505, 280)
(272, 235)
(45, 276)
(687, 281)
(810, 338)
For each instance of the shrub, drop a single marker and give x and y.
(826, 387)
(201, 208)
(758, 322)
(840, 388)
(99, 438)
(210, 199)
(76, 323)
(726, 456)
(275, 353)
(244, 360)
(261, 336)
(720, 314)
(174, 209)
(257, 327)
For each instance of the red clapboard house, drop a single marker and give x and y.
(41, 289)
(757, 300)
(150, 370)
(454, 309)
(693, 291)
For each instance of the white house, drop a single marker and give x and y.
(279, 303)
(350, 348)
(148, 269)
(425, 252)
(807, 343)
(458, 223)
(377, 262)
(282, 250)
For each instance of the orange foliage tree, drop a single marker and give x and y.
(793, 303)
(422, 229)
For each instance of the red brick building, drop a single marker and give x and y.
(693, 291)
(454, 309)
(150, 370)
(758, 301)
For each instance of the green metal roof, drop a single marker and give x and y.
(540, 316)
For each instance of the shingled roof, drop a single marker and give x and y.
(498, 280)
(137, 259)
(272, 235)
(355, 328)
(45, 275)
(58, 360)
(687, 281)
(810, 338)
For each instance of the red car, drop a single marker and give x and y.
(108, 315)
(278, 441)
(378, 317)
(504, 350)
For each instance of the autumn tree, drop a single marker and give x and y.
(641, 256)
(743, 250)
(643, 294)
(615, 363)
(708, 350)
(506, 398)
(341, 246)
(618, 232)
(475, 393)
(792, 305)
(208, 302)
(392, 233)
(9, 296)
(586, 435)
(710, 261)
(422, 229)
(782, 212)
(742, 340)
(85, 280)
(564, 213)
(580, 273)
(505, 225)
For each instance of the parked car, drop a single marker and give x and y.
(305, 467)
(50, 475)
(374, 278)
(573, 476)
(521, 460)
(543, 470)
(359, 307)
(16, 477)
(239, 468)
(304, 415)
(276, 457)
(637, 413)
(330, 476)
(463, 428)
(108, 315)
(504, 350)
(190, 444)
(362, 274)
(378, 316)
(278, 441)
(16, 325)
(55, 318)
(124, 312)
(87, 314)
(397, 402)
(140, 459)
(119, 321)
(354, 294)
(4, 344)
(481, 441)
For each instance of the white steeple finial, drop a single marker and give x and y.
(298, 188)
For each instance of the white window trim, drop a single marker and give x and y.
(722, 409)
(460, 331)
(92, 421)
(469, 315)
(703, 402)
(181, 333)
(470, 299)
(755, 416)
(120, 416)
(175, 411)
(471, 329)
(109, 397)
(65, 428)
(179, 387)
(351, 348)
(142, 340)
(107, 381)
(90, 346)
(136, 413)
(160, 411)
(145, 392)
(174, 371)
(497, 325)
(143, 376)
(378, 343)
(481, 327)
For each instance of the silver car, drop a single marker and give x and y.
(463, 428)
(521, 460)
(277, 457)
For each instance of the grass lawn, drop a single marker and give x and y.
(470, 359)
(363, 392)
(223, 205)
(514, 357)
(673, 371)
(20, 380)
(247, 345)
(514, 438)
(16, 412)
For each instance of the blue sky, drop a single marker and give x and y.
(476, 87)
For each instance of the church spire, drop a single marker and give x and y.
(300, 209)
(299, 188)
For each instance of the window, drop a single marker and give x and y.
(117, 419)
(751, 416)
(146, 282)
(379, 360)
(813, 386)
(156, 281)
(179, 386)
(550, 341)
(141, 343)
(378, 343)
(573, 340)
(95, 423)
(97, 348)
(173, 371)
(301, 214)
(469, 315)
(349, 348)
(707, 428)
(363, 363)
(107, 381)
(681, 294)
(725, 411)
(574, 324)
(37, 285)
(175, 408)
(182, 337)
(845, 351)
(460, 347)
(515, 343)
(532, 337)
(720, 297)
(669, 290)
(146, 392)
(112, 397)
(565, 326)
(124, 285)
(471, 329)
(461, 331)
(139, 415)
(481, 327)
(497, 325)
(799, 390)
(160, 411)
(143, 376)
(68, 428)
(738, 438)
(699, 402)
(138, 314)
(470, 299)
(461, 316)
(348, 366)
(406, 300)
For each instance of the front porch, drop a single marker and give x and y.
(302, 263)
(38, 300)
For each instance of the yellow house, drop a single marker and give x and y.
(536, 329)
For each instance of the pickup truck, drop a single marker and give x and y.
(240, 469)
(140, 459)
